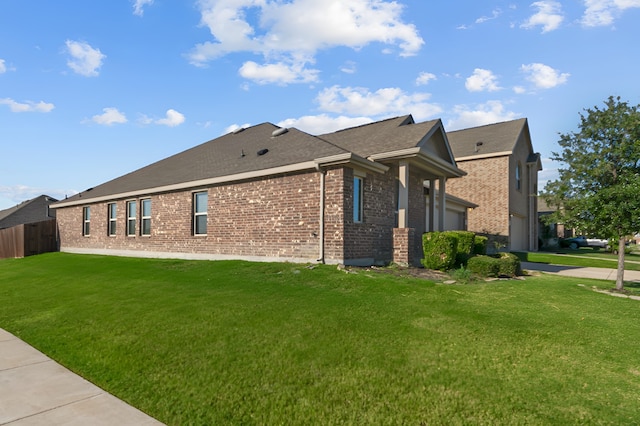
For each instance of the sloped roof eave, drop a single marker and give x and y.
(421, 158)
(346, 159)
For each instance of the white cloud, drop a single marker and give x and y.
(358, 101)
(323, 123)
(85, 60)
(3, 67)
(549, 172)
(292, 32)
(16, 194)
(234, 127)
(519, 90)
(487, 113)
(549, 16)
(279, 73)
(138, 6)
(109, 117)
(349, 67)
(604, 12)
(482, 81)
(27, 106)
(424, 78)
(172, 119)
(494, 15)
(543, 76)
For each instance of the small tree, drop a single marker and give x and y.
(598, 189)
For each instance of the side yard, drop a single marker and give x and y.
(197, 342)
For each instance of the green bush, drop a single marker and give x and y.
(509, 265)
(485, 266)
(500, 265)
(440, 249)
(465, 245)
(480, 244)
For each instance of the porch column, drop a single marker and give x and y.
(432, 206)
(403, 195)
(403, 236)
(442, 207)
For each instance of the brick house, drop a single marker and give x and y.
(502, 179)
(356, 196)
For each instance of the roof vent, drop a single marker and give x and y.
(478, 145)
(238, 130)
(278, 132)
(263, 151)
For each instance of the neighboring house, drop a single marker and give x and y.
(550, 233)
(30, 211)
(28, 228)
(356, 196)
(502, 179)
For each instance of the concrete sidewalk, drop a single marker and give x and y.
(35, 390)
(581, 272)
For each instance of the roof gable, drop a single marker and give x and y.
(400, 137)
(489, 140)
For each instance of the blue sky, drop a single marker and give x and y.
(90, 91)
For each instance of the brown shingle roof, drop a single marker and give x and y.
(486, 140)
(231, 154)
(382, 136)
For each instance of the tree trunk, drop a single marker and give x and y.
(620, 274)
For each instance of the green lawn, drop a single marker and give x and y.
(197, 342)
(581, 257)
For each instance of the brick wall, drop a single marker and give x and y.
(276, 217)
(487, 185)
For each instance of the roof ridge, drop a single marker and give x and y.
(488, 125)
(369, 124)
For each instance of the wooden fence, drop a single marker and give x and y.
(29, 239)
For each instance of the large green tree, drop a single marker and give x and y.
(598, 189)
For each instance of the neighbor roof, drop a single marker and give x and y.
(486, 141)
(29, 211)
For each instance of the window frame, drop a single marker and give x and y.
(199, 214)
(132, 219)
(112, 215)
(358, 196)
(518, 176)
(86, 221)
(145, 219)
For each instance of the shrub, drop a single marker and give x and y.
(500, 265)
(485, 266)
(480, 244)
(439, 250)
(509, 265)
(465, 246)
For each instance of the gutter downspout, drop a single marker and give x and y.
(321, 228)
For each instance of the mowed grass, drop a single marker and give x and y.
(197, 342)
(583, 257)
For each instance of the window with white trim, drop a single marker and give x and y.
(145, 210)
(111, 223)
(131, 218)
(86, 221)
(200, 213)
(357, 199)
